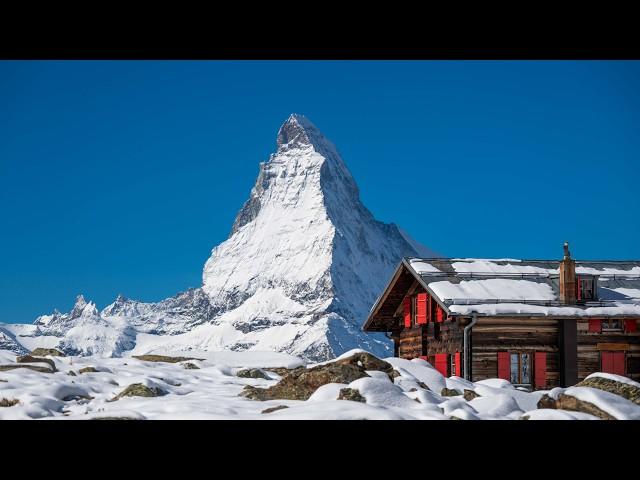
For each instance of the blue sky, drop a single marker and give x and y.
(120, 177)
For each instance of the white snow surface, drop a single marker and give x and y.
(212, 392)
(303, 264)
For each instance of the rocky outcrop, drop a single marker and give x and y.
(351, 394)
(300, 383)
(252, 373)
(88, 370)
(449, 392)
(139, 390)
(32, 359)
(8, 402)
(469, 395)
(35, 368)
(568, 402)
(44, 352)
(630, 392)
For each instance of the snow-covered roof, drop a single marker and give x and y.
(525, 287)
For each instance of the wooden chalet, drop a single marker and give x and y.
(537, 323)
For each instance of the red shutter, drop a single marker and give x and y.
(442, 363)
(423, 357)
(540, 367)
(421, 316)
(595, 326)
(578, 288)
(439, 314)
(606, 361)
(458, 364)
(503, 365)
(630, 326)
(407, 312)
(618, 363)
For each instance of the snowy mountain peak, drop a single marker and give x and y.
(304, 262)
(297, 130)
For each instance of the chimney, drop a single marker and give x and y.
(567, 277)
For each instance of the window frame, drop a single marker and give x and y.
(519, 353)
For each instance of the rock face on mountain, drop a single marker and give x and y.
(303, 264)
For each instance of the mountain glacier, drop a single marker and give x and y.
(304, 262)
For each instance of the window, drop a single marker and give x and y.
(585, 288)
(452, 366)
(611, 324)
(414, 310)
(520, 368)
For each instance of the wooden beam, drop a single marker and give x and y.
(612, 346)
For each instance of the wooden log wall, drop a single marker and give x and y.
(591, 344)
(411, 342)
(445, 337)
(493, 335)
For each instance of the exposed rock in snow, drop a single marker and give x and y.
(303, 264)
(133, 388)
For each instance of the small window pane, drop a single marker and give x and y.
(514, 368)
(526, 368)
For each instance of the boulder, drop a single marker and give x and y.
(163, 358)
(8, 402)
(300, 384)
(449, 392)
(35, 368)
(274, 409)
(51, 352)
(469, 395)
(568, 402)
(252, 373)
(72, 373)
(546, 402)
(368, 362)
(31, 359)
(630, 392)
(351, 394)
(139, 390)
(87, 370)
(190, 366)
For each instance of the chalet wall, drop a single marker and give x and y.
(411, 342)
(445, 337)
(589, 350)
(492, 335)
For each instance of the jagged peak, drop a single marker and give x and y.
(299, 131)
(80, 301)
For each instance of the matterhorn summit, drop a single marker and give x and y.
(302, 266)
(305, 259)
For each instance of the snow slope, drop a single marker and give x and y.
(303, 264)
(212, 392)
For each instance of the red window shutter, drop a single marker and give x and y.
(578, 288)
(630, 325)
(421, 316)
(407, 312)
(595, 326)
(618, 363)
(423, 357)
(606, 360)
(458, 364)
(503, 365)
(439, 314)
(442, 363)
(540, 367)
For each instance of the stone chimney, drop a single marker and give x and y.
(567, 277)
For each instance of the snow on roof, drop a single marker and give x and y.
(527, 287)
